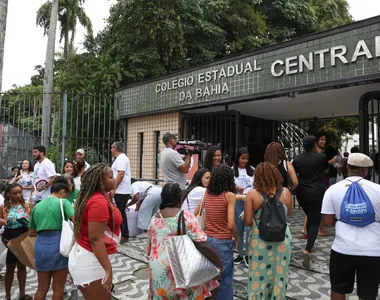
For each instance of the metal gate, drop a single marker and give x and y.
(77, 121)
(219, 128)
(369, 113)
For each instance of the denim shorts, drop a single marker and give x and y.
(84, 267)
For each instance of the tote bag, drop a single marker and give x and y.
(190, 267)
(67, 234)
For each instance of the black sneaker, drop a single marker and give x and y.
(246, 261)
(238, 260)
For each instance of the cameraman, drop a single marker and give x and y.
(173, 167)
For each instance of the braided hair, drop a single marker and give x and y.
(221, 181)
(7, 201)
(170, 195)
(92, 181)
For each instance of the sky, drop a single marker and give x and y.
(25, 44)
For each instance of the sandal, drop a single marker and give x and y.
(26, 297)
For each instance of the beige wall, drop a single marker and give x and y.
(148, 125)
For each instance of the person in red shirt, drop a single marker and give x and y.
(96, 233)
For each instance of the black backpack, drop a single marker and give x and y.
(272, 226)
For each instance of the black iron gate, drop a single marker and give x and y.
(219, 128)
(369, 113)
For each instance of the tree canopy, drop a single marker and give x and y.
(146, 38)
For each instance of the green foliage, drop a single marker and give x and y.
(69, 13)
(336, 128)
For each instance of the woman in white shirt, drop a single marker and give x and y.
(196, 190)
(26, 178)
(244, 177)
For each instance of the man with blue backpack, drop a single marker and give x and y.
(354, 204)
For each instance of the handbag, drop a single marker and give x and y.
(67, 234)
(202, 214)
(288, 178)
(189, 267)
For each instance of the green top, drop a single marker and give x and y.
(47, 215)
(73, 196)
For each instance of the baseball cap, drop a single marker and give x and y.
(81, 151)
(309, 141)
(359, 160)
(168, 136)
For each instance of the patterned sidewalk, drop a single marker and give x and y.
(131, 270)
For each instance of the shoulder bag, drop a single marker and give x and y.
(202, 214)
(190, 268)
(67, 234)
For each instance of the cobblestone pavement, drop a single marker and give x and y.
(131, 273)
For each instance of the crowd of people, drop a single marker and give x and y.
(224, 208)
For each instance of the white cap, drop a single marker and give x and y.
(81, 151)
(359, 160)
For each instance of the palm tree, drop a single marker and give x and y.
(3, 24)
(70, 12)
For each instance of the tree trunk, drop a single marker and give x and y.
(49, 73)
(3, 26)
(66, 45)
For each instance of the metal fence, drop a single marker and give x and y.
(77, 121)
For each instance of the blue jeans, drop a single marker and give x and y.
(241, 229)
(225, 251)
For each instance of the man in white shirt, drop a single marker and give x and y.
(122, 173)
(174, 168)
(44, 175)
(356, 249)
(81, 155)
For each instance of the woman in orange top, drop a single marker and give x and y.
(219, 201)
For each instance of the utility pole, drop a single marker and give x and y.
(49, 74)
(3, 27)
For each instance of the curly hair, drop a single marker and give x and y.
(209, 157)
(267, 177)
(7, 201)
(170, 195)
(274, 153)
(92, 181)
(222, 180)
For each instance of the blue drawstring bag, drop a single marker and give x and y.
(356, 208)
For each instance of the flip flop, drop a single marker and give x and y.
(303, 236)
(26, 297)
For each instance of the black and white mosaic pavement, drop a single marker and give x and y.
(131, 273)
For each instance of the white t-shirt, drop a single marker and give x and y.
(193, 198)
(43, 171)
(121, 163)
(244, 181)
(77, 182)
(26, 180)
(349, 239)
(140, 187)
(86, 165)
(1, 200)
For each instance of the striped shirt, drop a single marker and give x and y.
(217, 216)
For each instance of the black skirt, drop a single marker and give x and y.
(11, 233)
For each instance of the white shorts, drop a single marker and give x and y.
(84, 267)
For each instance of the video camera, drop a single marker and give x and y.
(182, 147)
